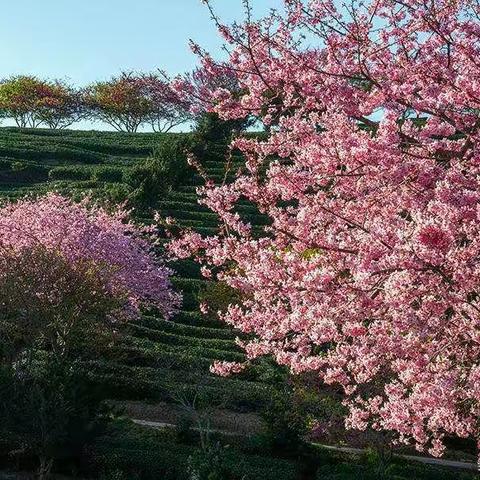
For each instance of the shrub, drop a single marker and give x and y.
(113, 193)
(5, 164)
(69, 173)
(108, 174)
(24, 172)
(153, 455)
(47, 410)
(213, 135)
(218, 296)
(153, 178)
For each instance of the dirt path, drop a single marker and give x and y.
(218, 419)
(350, 450)
(414, 458)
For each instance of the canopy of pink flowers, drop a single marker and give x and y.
(370, 271)
(83, 234)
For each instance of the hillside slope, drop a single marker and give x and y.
(159, 369)
(156, 359)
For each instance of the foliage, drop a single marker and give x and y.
(31, 102)
(50, 301)
(108, 174)
(216, 297)
(47, 410)
(285, 423)
(23, 171)
(61, 107)
(206, 85)
(69, 274)
(20, 97)
(168, 109)
(210, 464)
(69, 172)
(150, 455)
(202, 89)
(212, 135)
(119, 102)
(131, 100)
(369, 272)
(151, 179)
(371, 466)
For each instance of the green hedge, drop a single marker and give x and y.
(70, 172)
(21, 172)
(195, 318)
(170, 338)
(186, 268)
(132, 382)
(108, 174)
(172, 326)
(199, 350)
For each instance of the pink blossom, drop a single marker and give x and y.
(370, 177)
(81, 233)
(226, 368)
(434, 237)
(204, 308)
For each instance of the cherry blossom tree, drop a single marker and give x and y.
(64, 266)
(200, 89)
(369, 273)
(120, 102)
(168, 108)
(31, 102)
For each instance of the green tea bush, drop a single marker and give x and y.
(147, 454)
(196, 331)
(113, 193)
(175, 339)
(70, 172)
(218, 296)
(28, 172)
(213, 135)
(370, 467)
(148, 182)
(48, 411)
(49, 153)
(108, 174)
(5, 164)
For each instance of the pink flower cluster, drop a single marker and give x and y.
(83, 234)
(370, 271)
(206, 86)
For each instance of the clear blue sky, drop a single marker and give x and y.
(87, 40)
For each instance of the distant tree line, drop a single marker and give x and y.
(125, 102)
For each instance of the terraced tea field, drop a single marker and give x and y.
(157, 359)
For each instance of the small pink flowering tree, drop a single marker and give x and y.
(370, 271)
(168, 108)
(70, 274)
(202, 88)
(64, 266)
